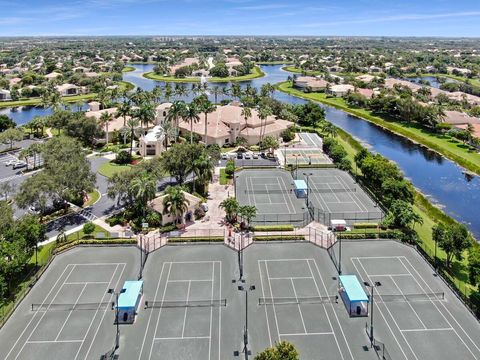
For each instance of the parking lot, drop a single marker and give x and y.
(248, 160)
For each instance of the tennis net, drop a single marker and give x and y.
(297, 300)
(185, 303)
(436, 296)
(72, 307)
(291, 190)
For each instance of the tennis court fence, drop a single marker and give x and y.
(325, 217)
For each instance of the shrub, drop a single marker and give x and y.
(230, 168)
(199, 213)
(123, 157)
(89, 228)
(365, 225)
(167, 228)
(273, 228)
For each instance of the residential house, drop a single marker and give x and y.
(69, 89)
(340, 90)
(151, 144)
(310, 83)
(52, 76)
(5, 95)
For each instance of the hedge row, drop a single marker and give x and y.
(71, 244)
(278, 237)
(273, 228)
(178, 239)
(365, 225)
(389, 234)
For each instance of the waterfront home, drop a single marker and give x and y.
(310, 83)
(340, 90)
(69, 89)
(5, 95)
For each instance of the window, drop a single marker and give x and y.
(227, 141)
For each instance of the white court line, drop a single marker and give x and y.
(189, 281)
(71, 311)
(251, 188)
(160, 311)
(220, 311)
(181, 338)
(98, 264)
(408, 302)
(151, 312)
(211, 313)
(263, 294)
(291, 278)
(444, 306)
(378, 307)
(359, 204)
(320, 198)
(425, 330)
(387, 275)
(85, 282)
(374, 257)
(288, 197)
(104, 311)
(43, 314)
(309, 334)
(52, 341)
(299, 308)
(186, 309)
(390, 313)
(333, 310)
(271, 295)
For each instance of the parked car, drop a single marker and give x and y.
(239, 155)
(248, 156)
(255, 155)
(19, 164)
(10, 162)
(204, 206)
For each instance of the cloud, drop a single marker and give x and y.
(401, 17)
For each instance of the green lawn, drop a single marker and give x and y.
(256, 73)
(128, 69)
(109, 168)
(445, 145)
(37, 101)
(295, 70)
(223, 180)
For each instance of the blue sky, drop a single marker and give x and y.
(240, 17)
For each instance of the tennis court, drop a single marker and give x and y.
(417, 316)
(271, 192)
(68, 314)
(299, 156)
(186, 290)
(335, 195)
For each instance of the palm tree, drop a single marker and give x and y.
(123, 111)
(132, 124)
(175, 113)
(263, 114)
(247, 213)
(216, 90)
(246, 113)
(105, 118)
(175, 203)
(230, 206)
(191, 115)
(205, 106)
(168, 92)
(330, 129)
(144, 189)
(157, 93)
(203, 168)
(168, 131)
(146, 113)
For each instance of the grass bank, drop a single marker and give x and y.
(128, 69)
(256, 73)
(109, 168)
(445, 145)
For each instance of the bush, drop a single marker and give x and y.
(199, 213)
(278, 237)
(273, 228)
(123, 157)
(365, 225)
(167, 228)
(230, 168)
(89, 228)
(116, 220)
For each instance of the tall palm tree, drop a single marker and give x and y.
(175, 114)
(230, 206)
(175, 203)
(143, 188)
(216, 90)
(168, 91)
(168, 131)
(263, 114)
(203, 168)
(146, 113)
(205, 106)
(132, 125)
(123, 111)
(191, 115)
(105, 118)
(157, 93)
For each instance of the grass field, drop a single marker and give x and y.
(445, 145)
(223, 180)
(109, 168)
(256, 73)
(128, 69)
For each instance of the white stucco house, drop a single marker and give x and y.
(5, 95)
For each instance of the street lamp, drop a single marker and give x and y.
(245, 330)
(117, 294)
(308, 186)
(372, 287)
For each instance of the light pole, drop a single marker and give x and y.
(245, 330)
(372, 287)
(308, 186)
(117, 294)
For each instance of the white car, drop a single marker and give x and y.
(248, 156)
(255, 155)
(10, 162)
(19, 164)
(224, 156)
